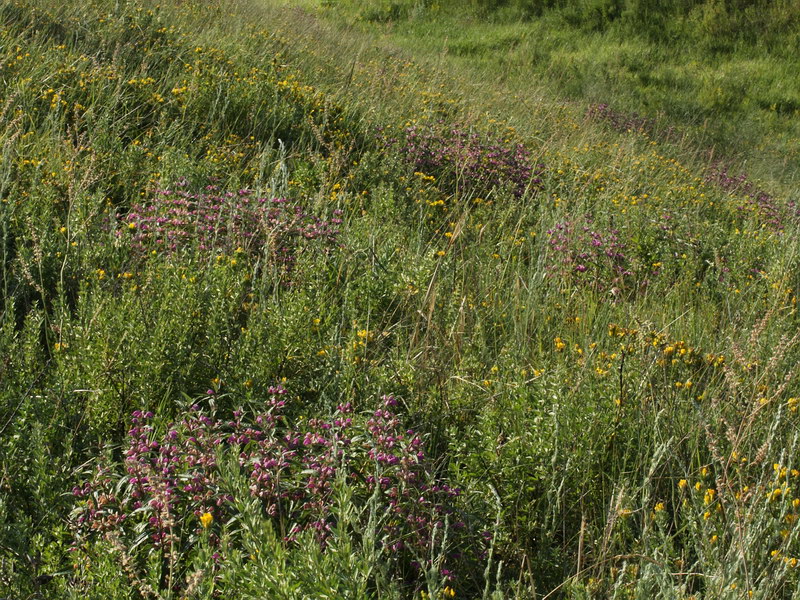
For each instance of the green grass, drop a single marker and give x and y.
(722, 75)
(602, 363)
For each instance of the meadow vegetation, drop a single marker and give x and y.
(290, 311)
(722, 73)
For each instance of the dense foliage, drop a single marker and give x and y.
(289, 313)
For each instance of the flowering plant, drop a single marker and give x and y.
(468, 161)
(172, 493)
(217, 221)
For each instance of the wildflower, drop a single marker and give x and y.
(682, 484)
(206, 519)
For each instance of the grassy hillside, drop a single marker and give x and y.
(292, 312)
(722, 75)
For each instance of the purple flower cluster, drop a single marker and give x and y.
(755, 200)
(468, 161)
(172, 479)
(579, 250)
(214, 221)
(626, 122)
(417, 508)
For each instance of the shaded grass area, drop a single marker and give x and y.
(566, 352)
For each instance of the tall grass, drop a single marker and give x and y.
(564, 344)
(720, 72)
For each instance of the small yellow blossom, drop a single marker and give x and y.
(206, 519)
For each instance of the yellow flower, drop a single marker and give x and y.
(682, 484)
(206, 519)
